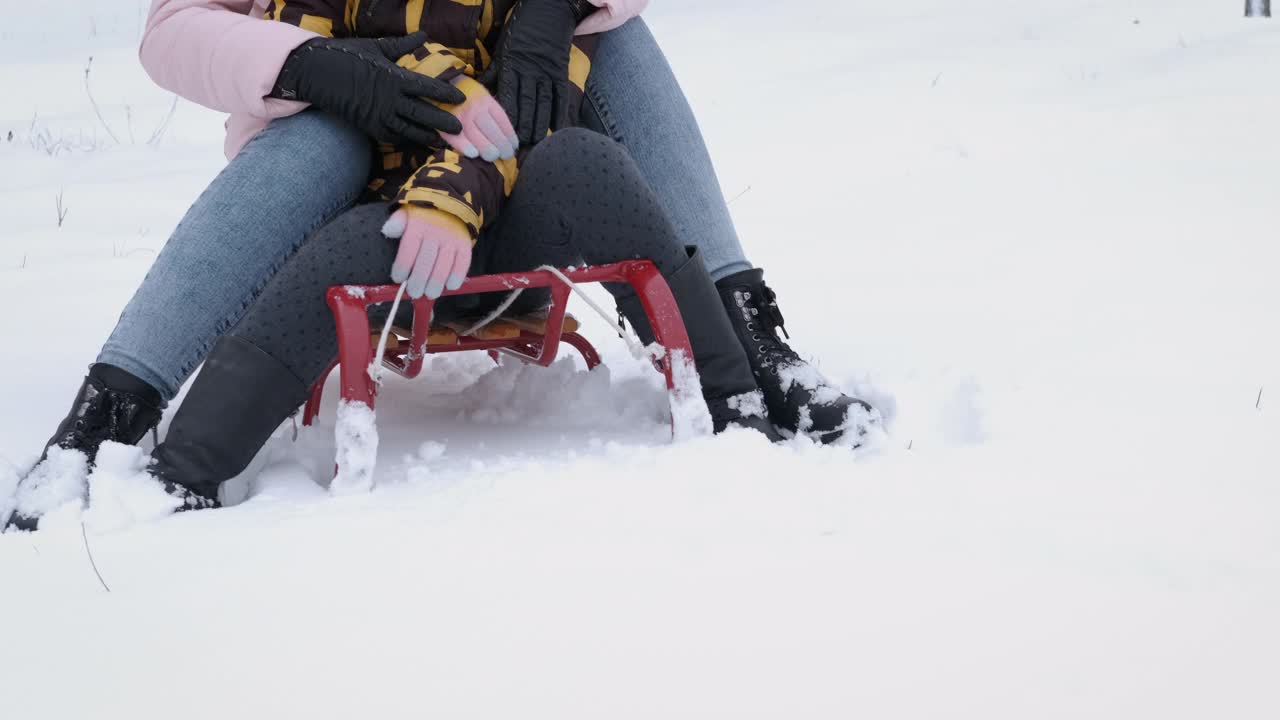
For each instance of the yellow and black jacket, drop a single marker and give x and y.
(462, 35)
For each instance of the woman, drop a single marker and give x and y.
(579, 198)
(225, 250)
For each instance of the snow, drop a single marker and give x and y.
(61, 480)
(690, 417)
(9, 476)
(808, 377)
(356, 437)
(514, 394)
(1038, 236)
(121, 491)
(748, 404)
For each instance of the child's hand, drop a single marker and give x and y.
(435, 250)
(486, 130)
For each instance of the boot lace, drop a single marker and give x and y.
(765, 322)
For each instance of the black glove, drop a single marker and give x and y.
(358, 80)
(531, 66)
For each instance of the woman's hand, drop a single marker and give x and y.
(435, 250)
(531, 65)
(486, 130)
(358, 80)
(611, 14)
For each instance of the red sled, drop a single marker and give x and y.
(534, 344)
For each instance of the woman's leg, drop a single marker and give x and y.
(298, 174)
(633, 97)
(294, 176)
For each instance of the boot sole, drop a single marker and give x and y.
(21, 523)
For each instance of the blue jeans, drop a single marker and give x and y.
(633, 97)
(303, 171)
(296, 175)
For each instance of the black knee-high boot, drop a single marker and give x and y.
(728, 385)
(240, 398)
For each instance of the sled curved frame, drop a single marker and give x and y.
(350, 307)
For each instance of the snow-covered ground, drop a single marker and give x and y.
(1041, 235)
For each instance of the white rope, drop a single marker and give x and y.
(497, 313)
(375, 367)
(633, 343)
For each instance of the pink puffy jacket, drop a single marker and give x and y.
(221, 54)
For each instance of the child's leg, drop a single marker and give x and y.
(580, 197)
(290, 320)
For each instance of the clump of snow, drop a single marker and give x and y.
(808, 377)
(64, 519)
(121, 491)
(690, 417)
(518, 393)
(8, 489)
(750, 404)
(355, 291)
(356, 436)
(422, 465)
(429, 451)
(863, 429)
(805, 423)
(60, 479)
(651, 353)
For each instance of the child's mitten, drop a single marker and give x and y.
(486, 130)
(435, 250)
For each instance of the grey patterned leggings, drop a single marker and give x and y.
(579, 198)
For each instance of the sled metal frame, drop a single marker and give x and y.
(350, 307)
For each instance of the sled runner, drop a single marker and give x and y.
(533, 339)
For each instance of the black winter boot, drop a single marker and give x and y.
(240, 398)
(728, 386)
(112, 405)
(799, 398)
